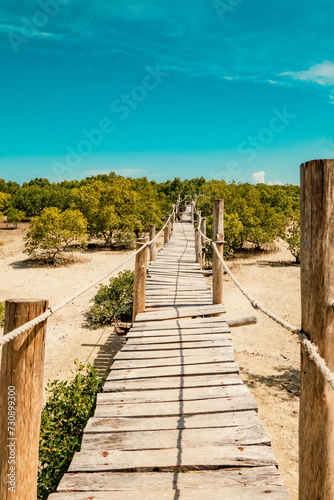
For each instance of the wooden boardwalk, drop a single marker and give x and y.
(175, 420)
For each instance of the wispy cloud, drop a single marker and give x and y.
(322, 73)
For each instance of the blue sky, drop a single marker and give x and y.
(227, 89)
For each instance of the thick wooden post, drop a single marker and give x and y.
(21, 398)
(153, 246)
(166, 230)
(218, 236)
(316, 423)
(140, 279)
(203, 241)
(192, 212)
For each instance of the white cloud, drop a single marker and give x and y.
(275, 183)
(322, 73)
(258, 177)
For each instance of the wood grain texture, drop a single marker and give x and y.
(316, 435)
(22, 367)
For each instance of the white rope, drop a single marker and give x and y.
(311, 349)
(39, 319)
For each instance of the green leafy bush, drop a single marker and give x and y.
(2, 313)
(14, 216)
(70, 404)
(125, 241)
(113, 301)
(53, 231)
(293, 237)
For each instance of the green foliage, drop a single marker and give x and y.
(114, 301)
(14, 216)
(2, 313)
(292, 237)
(125, 241)
(252, 214)
(4, 202)
(69, 406)
(53, 231)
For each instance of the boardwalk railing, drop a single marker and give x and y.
(21, 376)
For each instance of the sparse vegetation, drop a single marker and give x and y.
(69, 406)
(114, 301)
(53, 231)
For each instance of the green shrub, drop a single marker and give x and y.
(125, 241)
(114, 301)
(53, 231)
(2, 313)
(69, 405)
(293, 237)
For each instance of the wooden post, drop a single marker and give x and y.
(153, 246)
(140, 278)
(166, 230)
(21, 398)
(192, 212)
(217, 266)
(169, 225)
(198, 247)
(203, 241)
(316, 422)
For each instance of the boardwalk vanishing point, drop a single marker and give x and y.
(175, 420)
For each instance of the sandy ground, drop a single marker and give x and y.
(268, 354)
(68, 336)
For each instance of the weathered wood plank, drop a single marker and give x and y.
(181, 312)
(133, 347)
(155, 440)
(229, 492)
(169, 353)
(184, 332)
(95, 481)
(172, 371)
(223, 356)
(159, 383)
(201, 421)
(178, 339)
(171, 409)
(182, 394)
(191, 458)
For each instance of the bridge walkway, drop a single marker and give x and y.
(175, 421)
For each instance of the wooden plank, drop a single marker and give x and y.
(155, 440)
(172, 371)
(179, 323)
(226, 355)
(176, 339)
(172, 382)
(235, 492)
(181, 394)
(213, 420)
(170, 459)
(120, 481)
(184, 332)
(181, 312)
(198, 344)
(218, 405)
(168, 353)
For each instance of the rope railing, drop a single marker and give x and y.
(52, 310)
(311, 348)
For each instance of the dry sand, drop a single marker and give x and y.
(268, 355)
